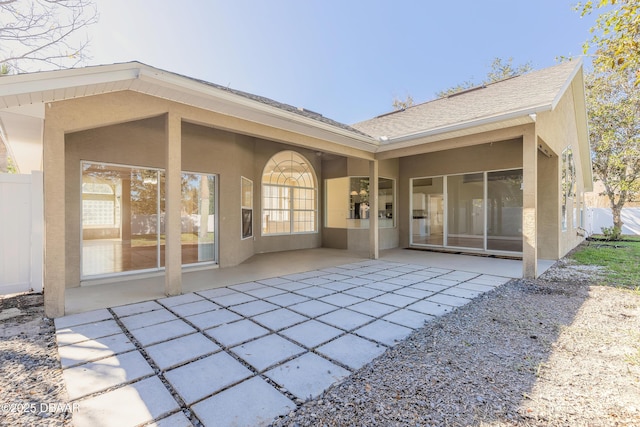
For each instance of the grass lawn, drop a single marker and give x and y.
(621, 260)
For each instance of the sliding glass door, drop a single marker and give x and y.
(123, 211)
(478, 211)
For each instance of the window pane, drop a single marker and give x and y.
(119, 218)
(198, 220)
(427, 222)
(465, 219)
(504, 211)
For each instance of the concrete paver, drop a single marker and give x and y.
(243, 354)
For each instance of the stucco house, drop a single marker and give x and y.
(151, 172)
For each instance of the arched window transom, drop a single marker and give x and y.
(289, 195)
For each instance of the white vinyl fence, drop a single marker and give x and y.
(602, 217)
(21, 233)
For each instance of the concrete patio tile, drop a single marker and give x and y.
(313, 308)
(444, 282)
(315, 291)
(82, 318)
(335, 270)
(132, 405)
(383, 286)
(341, 300)
(292, 286)
(300, 276)
(389, 274)
(274, 281)
(161, 332)
(237, 332)
(307, 376)
(339, 286)
(364, 292)
(413, 292)
(315, 281)
(408, 318)
(174, 352)
(232, 299)
(461, 292)
(265, 291)
(216, 292)
(440, 270)
(105, 373)
(286, 299)
(487, 279)
(448, 299)
(384, 332)
(178, 419)
(345, 319)
(143, 320)
(88, 331)
(312, 333)
(278, 319)
(141, 307)
(197, 307)
(405, 280)
(212, 319)
(407, 268)
(351, 351)
(395, 300)
(428, 286)
(336, 277)
(88, 351)
(372, 308)
(252, 403)
(248, 286)
(267, 351)
(430, 307)
(199, 379)
(475, 287)
(426, 274)
(460, 276)
(373, 277)
(357, 281)
(180, 299)
(253, 308)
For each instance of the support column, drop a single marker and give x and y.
(173, 200)
(374, 243)
(530, 203)
(54, 219)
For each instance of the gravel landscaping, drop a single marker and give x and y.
(557, 351)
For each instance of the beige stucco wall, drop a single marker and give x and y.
(558, 129)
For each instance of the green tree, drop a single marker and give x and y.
(499, 70)
(402, 104)
(43, 33)
(613, 106)
(616, 35)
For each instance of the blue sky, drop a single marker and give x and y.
(346, 59)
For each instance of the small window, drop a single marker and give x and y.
(247, 207)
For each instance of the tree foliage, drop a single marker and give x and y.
(616, 35)
(499, 70)
(43, 33)
(613, 105)
(402, 104)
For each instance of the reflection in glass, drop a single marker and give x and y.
(504, 210)
(427, 222)
(465, 219)
(198, 208)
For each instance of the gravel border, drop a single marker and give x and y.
(556, 351)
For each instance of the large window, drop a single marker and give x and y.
(288, 195)
(123, 211)
(478, 211)
(347, 202)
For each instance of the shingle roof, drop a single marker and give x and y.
(537, 89)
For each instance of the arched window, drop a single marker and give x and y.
(289, 195)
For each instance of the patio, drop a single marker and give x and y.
(260, 343)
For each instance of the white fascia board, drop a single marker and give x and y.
(528, 113)
(201, 89)
(567, 83)
(25, 83)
